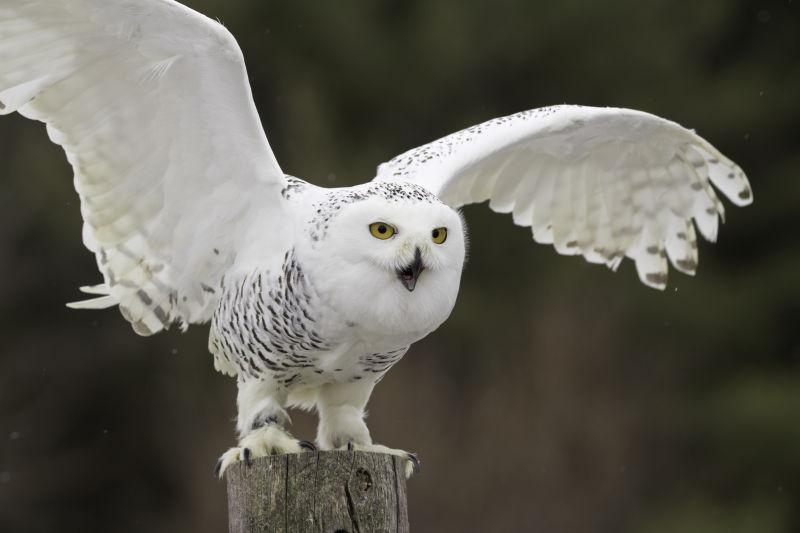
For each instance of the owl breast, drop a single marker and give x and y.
(274, 325)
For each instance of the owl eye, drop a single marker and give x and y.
(439, 235)
(382, 230)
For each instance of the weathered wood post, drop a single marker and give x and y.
(325, 492)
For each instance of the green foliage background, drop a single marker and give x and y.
(559, 396)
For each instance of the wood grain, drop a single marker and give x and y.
(325, 492)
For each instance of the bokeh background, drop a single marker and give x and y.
(559, 397)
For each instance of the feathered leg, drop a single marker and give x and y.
(260, 424)
(341, 422)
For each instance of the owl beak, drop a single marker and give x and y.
(410, 274)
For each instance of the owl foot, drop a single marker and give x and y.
(411, 462)
(267, 440)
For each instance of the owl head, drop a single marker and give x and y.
(393, 256)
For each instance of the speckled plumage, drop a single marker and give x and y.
(267, 326)
(263, 326)
(334, 200)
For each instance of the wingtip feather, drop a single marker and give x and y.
(101, 289)
(103, 302)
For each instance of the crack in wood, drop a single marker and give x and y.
(351, 508)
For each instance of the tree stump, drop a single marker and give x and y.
(325, 492)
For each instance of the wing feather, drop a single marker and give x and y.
(151, 103)
(604, 183)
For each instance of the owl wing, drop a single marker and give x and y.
(151, 103)
(603, 183)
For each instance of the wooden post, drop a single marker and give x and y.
(325, 492)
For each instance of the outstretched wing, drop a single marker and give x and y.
(604, 183)
(151, 103)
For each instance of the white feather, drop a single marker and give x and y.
(102, 302)
(102, 289)
(601, 182)
(151, 103)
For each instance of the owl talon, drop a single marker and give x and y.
(411, 463)
(416, 465)
(307, 445)
(270, 439)
(349, 446)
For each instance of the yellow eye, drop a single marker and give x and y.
(382, 230)
(439, 235)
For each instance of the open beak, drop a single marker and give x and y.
(410, 274)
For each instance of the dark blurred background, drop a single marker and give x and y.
(559, 397)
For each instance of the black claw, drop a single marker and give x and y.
(247, 456)
(218, 467)
(273, 451)
(306, 445)
(415, 462)
(349, 446)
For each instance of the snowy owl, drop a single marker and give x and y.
(314, 293)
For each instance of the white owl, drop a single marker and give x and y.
(313, 293)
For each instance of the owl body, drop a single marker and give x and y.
(311, 314)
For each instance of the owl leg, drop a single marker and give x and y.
(341, 422)
(260, 425)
